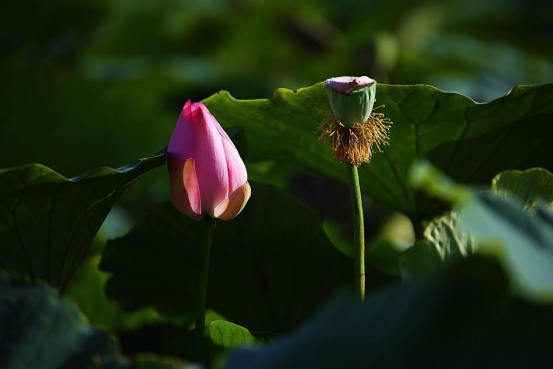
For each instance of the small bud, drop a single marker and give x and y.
(207, 175)
(351, 98)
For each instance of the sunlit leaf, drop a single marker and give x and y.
(470, 142)
(445, 240)
(204, 345)
(531, 186)
(502, 225)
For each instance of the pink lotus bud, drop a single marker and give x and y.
(207, 174)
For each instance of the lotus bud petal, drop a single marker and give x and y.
(351, 98)
(207, 174)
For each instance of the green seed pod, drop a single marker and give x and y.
(351, 98)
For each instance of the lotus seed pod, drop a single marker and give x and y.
(351, 98)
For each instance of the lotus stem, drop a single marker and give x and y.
(358, 231)
(207, 229)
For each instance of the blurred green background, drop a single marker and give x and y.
(101, 83)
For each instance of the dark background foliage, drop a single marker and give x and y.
(102, 82)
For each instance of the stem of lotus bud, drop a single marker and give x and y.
(206, 225)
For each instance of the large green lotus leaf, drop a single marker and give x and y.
(270, 267)
(41, 330)
(531, 186)
(207, 344)
(470, 142)
(48, 221)
(456, 320)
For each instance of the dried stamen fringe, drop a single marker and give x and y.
(353, 145)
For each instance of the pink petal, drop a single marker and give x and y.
(237, 174)
(185, 191)
(182, 145)
(211, 163)
(233, 205)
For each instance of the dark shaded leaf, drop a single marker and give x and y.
(460, 319)
(270, 267)
(41, 330)
(48, 221)
(522, 241)
(87, 291)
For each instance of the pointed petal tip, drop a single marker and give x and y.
(199, 106)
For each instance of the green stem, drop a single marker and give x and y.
(207, 229)
(358, 231)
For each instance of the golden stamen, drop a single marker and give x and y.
(353, 145)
